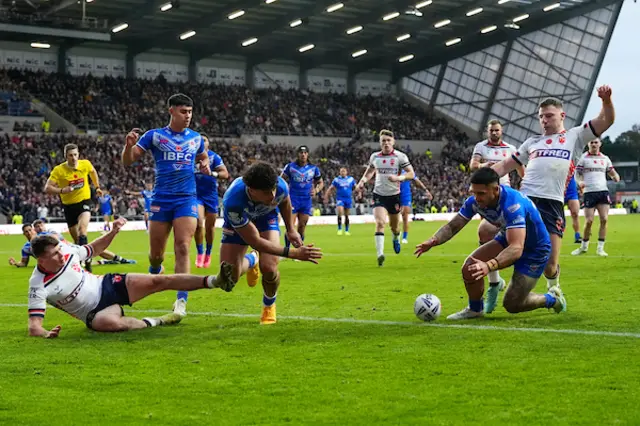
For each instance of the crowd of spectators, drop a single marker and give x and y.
(22, 177)
(115, 105)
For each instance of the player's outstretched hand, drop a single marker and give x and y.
(133, 136)
(118, 224)
(478, 268)
(204, 168)
(295, 239)
(308, 253)
(604, 92)
(55, 332)
(12, 261)
(425, 247)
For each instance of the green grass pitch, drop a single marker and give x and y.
(347, 348)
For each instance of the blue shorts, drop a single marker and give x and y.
(532, 262)
(302, 205)
(210, 205)
(147, 206)
(106, 212)
(572, 191)
(344, 202)
(263, 223)
(405, 201)
(167, 211)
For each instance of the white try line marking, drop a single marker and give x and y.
(392, 323)
(371, 254)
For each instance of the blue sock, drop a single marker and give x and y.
(405, 235)
(287, 244)
(346, 227)
(339, 226)
(476, 305)
(577, 236)
(209, 247)
(251, 258)
(302, 236)
(183, 295)
(268, 301)
(200, 248)
(155, 270)
(550, 301)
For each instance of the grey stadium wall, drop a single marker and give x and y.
(507, 81)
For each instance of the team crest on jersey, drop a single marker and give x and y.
(117, 279)
(234, 216)
(392, 161)
(562, 139)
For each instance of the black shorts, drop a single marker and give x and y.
(593, 199)
(114, 292)
(391, 203)
(552, 213)
(73, 211)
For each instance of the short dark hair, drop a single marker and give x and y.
(179, 99)
(204, 135)
(41, 243)
(485, 176)
(38, 222)
(70, 147)
(261, 176)
(25, 226)
(551, 102)
(494, 122)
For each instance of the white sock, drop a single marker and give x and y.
(551, 282)
(585, 245)
(600, 245)
(211, 279)
(151, 322)
(494, 277)
(380, 244)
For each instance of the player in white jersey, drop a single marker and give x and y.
(485, 154)
(591, 174)
(549, 158)
(60, 281)
(387, 164)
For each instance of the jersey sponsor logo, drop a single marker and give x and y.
(234, 216)
(155, 209)
(76, 183)
(552, 153)
(177, 156)
(513, 208)
(71, 297)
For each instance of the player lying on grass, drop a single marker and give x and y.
(251, 206)
(523, 241)
(59, 280)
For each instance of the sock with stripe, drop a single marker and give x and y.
(252, 258)
(269, 301)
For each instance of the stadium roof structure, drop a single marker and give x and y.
(471, 60)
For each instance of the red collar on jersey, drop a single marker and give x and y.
(382, 154)
(501, 144)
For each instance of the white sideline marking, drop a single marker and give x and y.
(396, 323)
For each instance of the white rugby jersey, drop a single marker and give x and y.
(386, 165)
(550, 161)
(494, 154)
(594, 169)
(71, 289)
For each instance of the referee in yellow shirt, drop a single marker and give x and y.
(70, 180)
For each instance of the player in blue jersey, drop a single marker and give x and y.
(176, 149)
(343, 185)
(523, 241)
(305, 181)
(146, 193)
(29, 233)
(207, 192)
(572, 200)
(106, 209)
(406, 201)
(251, 205)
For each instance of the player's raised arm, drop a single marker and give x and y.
(443, 234)
(100, 244)
(607, 115)
(133, 150)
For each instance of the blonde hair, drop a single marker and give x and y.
(385, 132)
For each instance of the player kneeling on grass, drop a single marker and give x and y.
(523, 241)
(251, 205)
(60, 281)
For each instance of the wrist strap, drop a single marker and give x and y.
(285, 252)
(493, 265)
